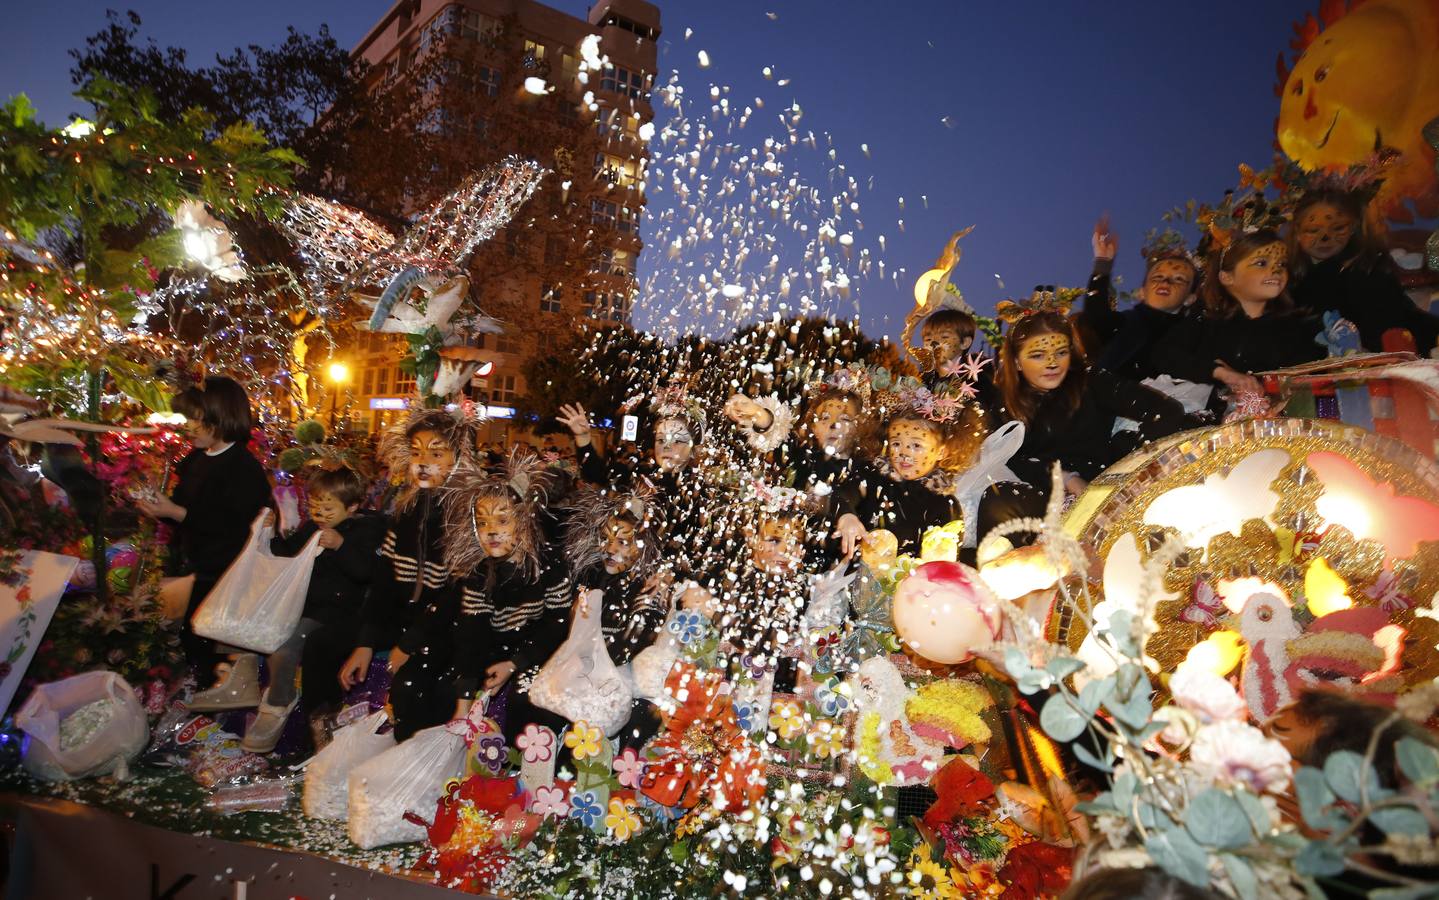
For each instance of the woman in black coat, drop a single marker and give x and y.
(220, 491)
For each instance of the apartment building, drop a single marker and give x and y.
(524, 59)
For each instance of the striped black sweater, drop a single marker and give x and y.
(412, 577)
(504, 614)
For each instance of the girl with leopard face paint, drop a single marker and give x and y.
(1068, 412)
(1338, 263)
(1249, 323)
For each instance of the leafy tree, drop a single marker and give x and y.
(282, 90)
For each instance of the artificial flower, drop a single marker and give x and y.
(688, 626)
(585, 806)
(826, 740)
(536, 744)
(629, 768)
(703, 754)
(833, 697)
(583, 739)
(1208, 696)
(787, 719)
(621, 820)
(550, 800)
(490, 753)
(1239, 753)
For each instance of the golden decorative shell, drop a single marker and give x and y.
(1115, 503)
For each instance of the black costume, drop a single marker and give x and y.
(1369, 296)
(1120, 342)
(1276, 340)
(338, 585)
(222, 495)
(498, 613)
(412, 577)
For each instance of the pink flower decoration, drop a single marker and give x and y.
(537, 743)
(629, 768)
(550, 800)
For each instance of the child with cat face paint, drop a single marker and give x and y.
(413, 579)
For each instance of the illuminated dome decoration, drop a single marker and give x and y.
(1367, 78)
(1307, 547)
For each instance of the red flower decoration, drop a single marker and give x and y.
(704, 756)
(1036, 870)
(962, 790)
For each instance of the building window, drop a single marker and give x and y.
(619, 263)
(611, 306)
(479, 27)
(569, 69)
(515, 242)
(437, 28)
(604, 212)
(489, 81)
(550, 298)
(382, 381)
(557, 250)
(500, 343)
(628, 221)
(534, 54)
(502, 389)
(619, 80)
(404, 382)
(369, 388)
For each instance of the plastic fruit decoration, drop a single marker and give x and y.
(1367, 78)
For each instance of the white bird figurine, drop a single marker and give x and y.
(395, 314)
(1267, 626)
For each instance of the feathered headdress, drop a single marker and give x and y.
(674, 401)
(933, 292)
(909, 396)
(458, 428)
(524, 480)
(1046, 298)
(591, 510)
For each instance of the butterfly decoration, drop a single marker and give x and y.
(1387, 593)
(1223, 502)
(1369, 509)
(1205, 605)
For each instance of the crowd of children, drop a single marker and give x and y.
(468, 582)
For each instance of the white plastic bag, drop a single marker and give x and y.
(327, 775)
(581, 681)
(257, 603)
(407, 778)
(88, 724)
(651, 666)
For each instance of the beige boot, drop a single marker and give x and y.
(239, 689)
(264, 733)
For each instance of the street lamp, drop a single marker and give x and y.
(339, 375)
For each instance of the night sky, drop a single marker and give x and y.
(1025, 118)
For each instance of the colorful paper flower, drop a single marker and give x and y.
(833, 697)
(826, 739)
(490, 753)
(585, 807)
(702, 755)
(688, 626)
(787, 719)
(536, 744)
(550, 800)
(622, 821)
(754, 666)
(744, 715)
(629, 768)
(583, 739)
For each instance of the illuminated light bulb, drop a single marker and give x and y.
(1219, 653)
(78, 129)
(339, 372)
(1325, 590)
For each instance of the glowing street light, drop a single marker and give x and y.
(339, 373)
